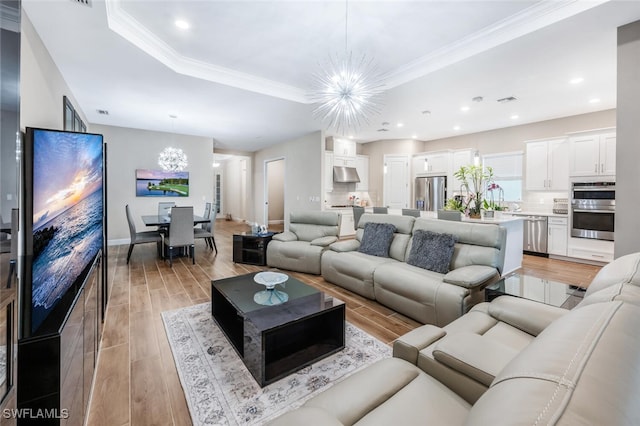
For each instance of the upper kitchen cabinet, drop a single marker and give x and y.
(344, 161)
(362, 167)
(547, 165)
(328, 171)
(344, 148)
(432, 163)
(592, 154)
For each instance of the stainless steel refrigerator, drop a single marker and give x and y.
(430, 193)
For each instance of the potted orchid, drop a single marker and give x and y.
(475, 182)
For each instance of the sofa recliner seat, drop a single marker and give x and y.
(300, 248)
(562, 367)
(426, 296)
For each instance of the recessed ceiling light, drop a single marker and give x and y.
(576, 80)
(182, 24)
(414, 136)
(514, 116)
(350, 136)
(456, 128)
(464, 108)
(400, 124)
(594, 100)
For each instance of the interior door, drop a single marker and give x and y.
(396, 181)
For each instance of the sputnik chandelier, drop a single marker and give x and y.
(172, 159)
(347, 91)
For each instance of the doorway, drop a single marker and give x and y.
(396, 181)
(274, 192)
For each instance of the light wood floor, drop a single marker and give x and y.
(136, 380)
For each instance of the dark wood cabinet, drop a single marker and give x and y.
(251, 248)
(55, 371)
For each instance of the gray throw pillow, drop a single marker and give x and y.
(376, 239)
(432, 251)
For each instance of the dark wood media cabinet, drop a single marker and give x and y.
(251, 249)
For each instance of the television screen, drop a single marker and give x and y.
(67, 213)
(160, 183)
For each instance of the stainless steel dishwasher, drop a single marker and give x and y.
(535, 234)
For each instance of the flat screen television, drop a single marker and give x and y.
(64, 222)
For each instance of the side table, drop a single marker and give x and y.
(251, 248)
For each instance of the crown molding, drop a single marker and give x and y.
(133, 31)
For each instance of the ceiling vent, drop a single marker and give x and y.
(383, 130)
(84, 2)
(102, 111)
(508, 99)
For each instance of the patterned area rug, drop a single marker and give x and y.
(220, 390)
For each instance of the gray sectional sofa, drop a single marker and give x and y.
(426, 296)
(300, 248)
(533, 364)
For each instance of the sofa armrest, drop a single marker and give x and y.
(409, 345)
(348, 245)
(324, 241)
(527, 315)
(473, 355)
(470, 276)
(285, 236)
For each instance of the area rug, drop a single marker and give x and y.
(220, 390)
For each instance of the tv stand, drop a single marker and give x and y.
(55, 370)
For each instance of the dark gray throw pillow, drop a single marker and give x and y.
(432, 251)
(376, 239)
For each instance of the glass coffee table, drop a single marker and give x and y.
(534, 288)
(274, 341)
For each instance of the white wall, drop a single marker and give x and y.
(42, 87)
(275, 179)
(303, 174)
(236, 181)
(131, 149)
(627, 143)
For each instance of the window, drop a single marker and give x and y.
(71, 118)
(507, 173)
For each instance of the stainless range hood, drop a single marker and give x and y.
(343, 174)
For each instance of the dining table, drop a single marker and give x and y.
(164, 220)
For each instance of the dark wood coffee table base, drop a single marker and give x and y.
(276, 341)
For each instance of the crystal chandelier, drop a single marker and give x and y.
(348, 91)
(172, 159)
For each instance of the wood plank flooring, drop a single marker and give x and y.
(136, 381)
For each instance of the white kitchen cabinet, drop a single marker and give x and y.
(432, 163)
(328, 171)
(346, 223)
(344, 161)
(547, 165)
(344, 148)
(558, 236)
(459, 158)
(362, 167)
(592, 154)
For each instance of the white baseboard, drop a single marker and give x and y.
(118, 242)
(276, 222)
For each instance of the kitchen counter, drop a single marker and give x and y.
(534, 213)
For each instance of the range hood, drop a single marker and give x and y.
(343, 174)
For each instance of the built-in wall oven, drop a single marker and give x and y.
(593, 209)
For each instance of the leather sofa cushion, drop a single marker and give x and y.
(324, 241)
(473, 355)
(470, 276)
(285, 237)
(342, 246)
(527, 315)
(619, 280)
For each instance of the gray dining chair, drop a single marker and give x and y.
(139, 237)
(207, 211)
(181, 233)
(357, 213)
(207, 231)
(454, 215)
(381, 210)
(411, 212)
(164, 207)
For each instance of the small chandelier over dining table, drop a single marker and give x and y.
(349, 90)
(172, 159)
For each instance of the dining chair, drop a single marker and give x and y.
(357, 213)
(207, 231)
(164, 207)
(181, 232)
(411, 212)
(382, 210)
(454, 215)
(139, 237)
(207, 212)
